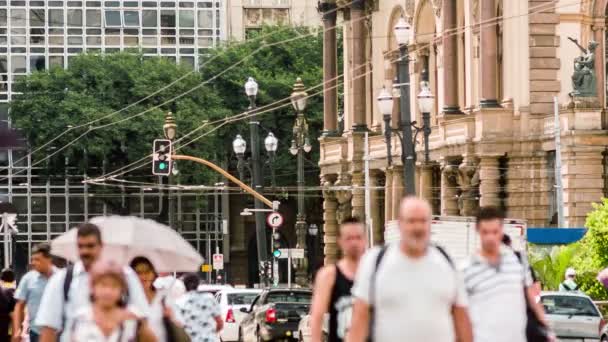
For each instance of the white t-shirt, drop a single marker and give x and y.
(413, 297)
(494, 290)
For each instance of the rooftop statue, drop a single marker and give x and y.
(584, 80)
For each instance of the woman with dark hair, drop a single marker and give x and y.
(160, 317)
(108, 319)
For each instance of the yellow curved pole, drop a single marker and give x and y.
(224, 173)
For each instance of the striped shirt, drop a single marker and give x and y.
(497, 303)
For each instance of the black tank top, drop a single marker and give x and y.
(340, 307)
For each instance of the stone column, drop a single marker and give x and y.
(449, 189)
(330, 67)
(489, 56)
(330, 223)
(358, 199)
(489, 176)
(398, 190)
(388, 195)
(450, 59)
(359, 65)
(426, 181)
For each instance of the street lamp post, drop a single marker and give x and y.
(313, 231)
(170, 132)
(426, 103)
(403, 31)
(254, 166)
(300, 145)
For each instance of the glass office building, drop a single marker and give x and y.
(35, 35)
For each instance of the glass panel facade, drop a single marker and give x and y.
(47, 34)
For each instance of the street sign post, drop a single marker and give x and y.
(274, 219)
(218, 261)
(289, 253)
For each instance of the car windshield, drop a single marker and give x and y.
(241, 298)
(289, 297)
(569, 306)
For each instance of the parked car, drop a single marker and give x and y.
(212, 288)
(573, 315)
(231, 302)
(305, 331)
(274, 315)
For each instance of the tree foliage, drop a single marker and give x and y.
(94, 86)
(588, 256)
(550, 266)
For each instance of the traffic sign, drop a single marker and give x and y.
(274, 219)
(218, 261)
(206, 268)
(296, 253)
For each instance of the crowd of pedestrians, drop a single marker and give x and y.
(413, 290)
(407, 291)
(98, 300)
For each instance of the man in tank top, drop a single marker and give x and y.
(333, 284)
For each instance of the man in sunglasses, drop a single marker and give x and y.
(68, 290)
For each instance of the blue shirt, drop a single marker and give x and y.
(53, 307)
(30, 291)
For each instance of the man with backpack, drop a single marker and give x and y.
(409, 291)
(68, 290)
(332, 292)
(499, 286)
(569, 284)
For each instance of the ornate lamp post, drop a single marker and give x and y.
(254, 166)
(403, 34)
(300, 145)
(426, 103)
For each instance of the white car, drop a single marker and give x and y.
(572, 316)
(231, 301)
(213, 289)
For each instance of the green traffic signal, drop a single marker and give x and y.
(162, 166)
(276, 253)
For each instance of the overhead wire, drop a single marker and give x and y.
(461, 29)
(477, 24)
(88, 124)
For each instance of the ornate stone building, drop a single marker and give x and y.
(494, 67)
(244, 16)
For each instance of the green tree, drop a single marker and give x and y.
(94, 86)
(594, 256)
(550, 266)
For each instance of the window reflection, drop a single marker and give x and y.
(149, 18)
(131, 18)
(55, 17)
(167, 18)
(94, 18)
(37, 17)
(113, 19)
(186, 18)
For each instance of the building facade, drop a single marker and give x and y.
(37, 35)
(245, 16)
(494, 67)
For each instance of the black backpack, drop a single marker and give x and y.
(535, 330)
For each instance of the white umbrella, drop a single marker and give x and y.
(126, 237)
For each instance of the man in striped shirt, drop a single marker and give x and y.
(498, 285)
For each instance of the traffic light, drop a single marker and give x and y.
(161, 157)
(276, 252)
(269, 269)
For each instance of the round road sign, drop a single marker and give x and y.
(274, 219)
